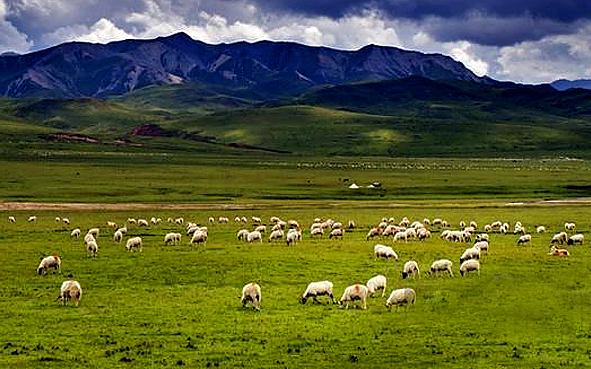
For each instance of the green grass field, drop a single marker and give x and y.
(173, 306)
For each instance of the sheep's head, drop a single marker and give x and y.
(303, 299)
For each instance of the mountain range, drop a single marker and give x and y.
(263, 68)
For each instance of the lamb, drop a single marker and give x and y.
(559, 238)
(70, 290)
(401, 297)
(440, 266)
(469, 266)
(75, 233)
(199, 237)
(561, 253)
(12, 219)
(49, 262)
(134, 243)
(473, 253)
(410, 268)
(376, 283)
(142, 223)
(524, 239)
(315, 289)
(354, 292)
(251, 293)
(118, 236)
(91, 248)
(574, 239)
(337, 232)
(382, 251)
(253, 236)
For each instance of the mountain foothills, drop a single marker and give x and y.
(277, 98)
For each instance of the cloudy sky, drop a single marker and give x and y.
(518, 40)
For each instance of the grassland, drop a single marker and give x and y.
(170, 306)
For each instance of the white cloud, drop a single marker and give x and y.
(103, 31)
(461, 51)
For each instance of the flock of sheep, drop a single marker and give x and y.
(291, 233)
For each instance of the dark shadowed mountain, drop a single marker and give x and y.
(260, 69)
(565, 84)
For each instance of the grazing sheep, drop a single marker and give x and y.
(316, 232)
(482, 237)
(383, 251)
(75, 233)
(256, 220)
(49, 262)
(276, 235)
(561, 253)
(261, 228)
(251, 293)
(469, 266)
(569, 226)
(94, 232)
(488, 228)
(293, 236)
(482, 245)
(540, 229)
(142, 223)
(32, 218)
(253, 236)
(58, 219)
(131, 221)
(373, 233)
(179, 221)
(401, 235)
(91, 248)
(472, 253)
(473, 224)
(351, 224)
(274, 220)
(89, 238)
(524, 239)
(12, 219)
(111, 224)
(134, 243)
(65, 220)
(376, 283)
(70, 290)
(353, 293)
(118, 236)
(242, 234)
(423, 234)
(440, 266)
(123, 230)
(402, 296)
(172, 238)
(574, 239)
(410, 268)
(315, 289)
(426, 221)
(199, 237)
(337, 232)
(560, 238)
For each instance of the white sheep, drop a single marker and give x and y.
(58, 219)
(376, 283)
(32, 218)
(541, 229)
(118, 236)
(242, 234)
(89, 238)
(315, 289)
(276, 235)
(251, 293)
(410, 268)
(470, 253)
(70, 290)
(293, 236)
(524, 239)
(66, 220)
(402, 296)
(482, 245)
(199, 237)
(469, 266)
(142, 223)
(383, 251)
(94, 232)
(123, 230)
(563, 253)
(574, 239)
(423, 234)
(560, 238)
(91, 248)
(172, 237)
(261, 228)
(373, 233)
(569, 226)
(316, 232)
(75, 233)
(256, 220)
(254, 236)
(440, 266)
(12, 219)
(353, 293)
(337, 232)
(179, 221)
(351, 224)
(134, 243)
(111, 224)
(48, 262)
(131, 221)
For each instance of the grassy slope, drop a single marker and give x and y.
(172, 304)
